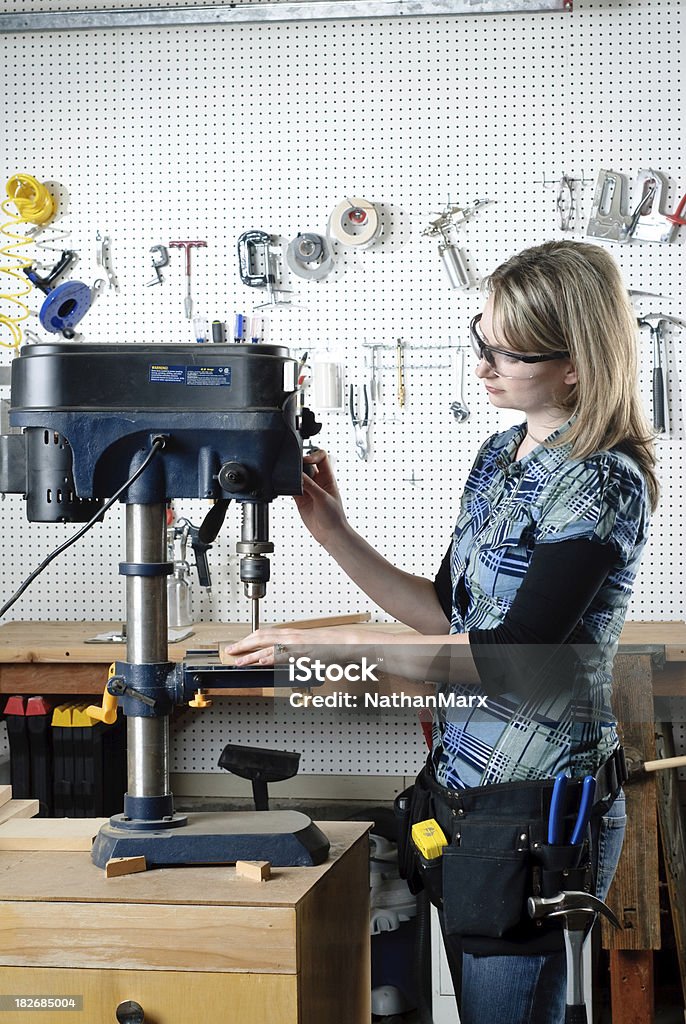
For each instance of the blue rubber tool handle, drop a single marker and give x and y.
(587, 795)
(557, 810)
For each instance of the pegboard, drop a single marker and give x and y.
(336, 741)
(156, 134)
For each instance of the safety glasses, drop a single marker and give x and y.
(505, 362)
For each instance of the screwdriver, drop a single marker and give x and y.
(187, 246)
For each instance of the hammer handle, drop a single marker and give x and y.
(658, 400)
(665, 762)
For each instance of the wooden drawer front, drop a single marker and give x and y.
(148, 936)
(166, 997)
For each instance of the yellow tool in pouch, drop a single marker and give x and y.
(429, 838)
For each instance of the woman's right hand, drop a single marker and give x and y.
(320, 505)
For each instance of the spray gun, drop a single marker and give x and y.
(201, 538)
(178, 585)
(446, 226)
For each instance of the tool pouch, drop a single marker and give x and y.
(497, 856)
(410, 806)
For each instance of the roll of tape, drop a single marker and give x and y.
(355, 223)
(309, 256)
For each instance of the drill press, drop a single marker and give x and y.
(221, 423)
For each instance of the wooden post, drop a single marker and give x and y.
(634, 896)
(631, 986)
(673, 835)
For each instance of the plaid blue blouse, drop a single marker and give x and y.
(507, 508)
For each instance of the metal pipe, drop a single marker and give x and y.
(146, 634)
(146, 596)
(148, 756)
(228, 14)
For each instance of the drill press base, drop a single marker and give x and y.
(286, 838)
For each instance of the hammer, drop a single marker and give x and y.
(578, 911)
(638, 769)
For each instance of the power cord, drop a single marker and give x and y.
(157, 445)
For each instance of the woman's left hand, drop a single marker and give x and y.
(258, 648)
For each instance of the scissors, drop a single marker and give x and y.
(557, 811)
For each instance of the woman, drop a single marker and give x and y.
(546, 546)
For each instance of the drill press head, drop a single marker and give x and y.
(229, 414)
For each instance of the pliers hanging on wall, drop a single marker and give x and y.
(556, 836)
(360, 422)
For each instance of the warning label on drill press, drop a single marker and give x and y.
(208, 376)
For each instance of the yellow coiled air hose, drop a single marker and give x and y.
(34, 205)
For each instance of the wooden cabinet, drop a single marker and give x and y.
(195, 945)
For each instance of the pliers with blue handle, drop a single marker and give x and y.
(557, 811)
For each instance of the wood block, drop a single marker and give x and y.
(256, 870)
(74, 834)
(118, 866)
(18, 809)
(5, 794)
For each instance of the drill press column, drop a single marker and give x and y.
(146, 633)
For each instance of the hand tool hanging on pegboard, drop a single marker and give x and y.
(655, 324)
(257, 266)
(445, 226)
(160, 258)
(646, 223)
(187, 246)
(359, 417)
(103, 259)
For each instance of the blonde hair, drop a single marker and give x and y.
(570, 296)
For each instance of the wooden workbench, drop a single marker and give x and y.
(53, 657)
(191, 944)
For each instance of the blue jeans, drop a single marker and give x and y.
(531, 989)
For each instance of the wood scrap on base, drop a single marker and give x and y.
(255, 870)
(118, 866)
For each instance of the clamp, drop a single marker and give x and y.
(160, 258)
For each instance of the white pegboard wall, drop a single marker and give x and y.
(330, 742)
(205, 132)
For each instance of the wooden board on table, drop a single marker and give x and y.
(5, 794)
(73, 834)
(59, 642)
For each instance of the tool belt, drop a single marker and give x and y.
(497, 855)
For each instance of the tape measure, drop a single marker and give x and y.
(429, 838)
